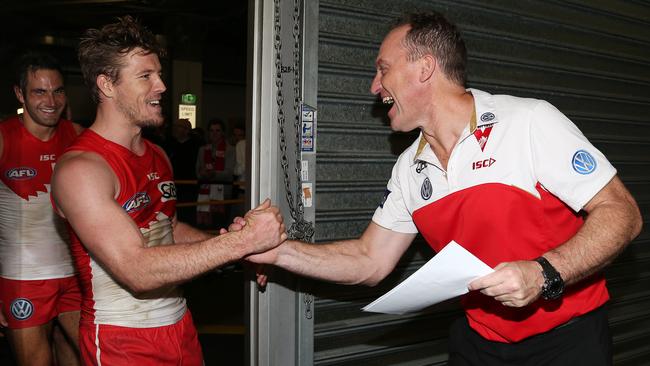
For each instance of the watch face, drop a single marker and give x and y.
(553, 289)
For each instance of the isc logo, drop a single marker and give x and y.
(21, 173)
(138, 201)
(50, 157)
(483, 163)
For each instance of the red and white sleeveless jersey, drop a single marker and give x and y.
(33, 239)
(148, 195)
(515, 182)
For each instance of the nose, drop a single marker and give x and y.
(375, 86)
(51, 100)
(160, 85)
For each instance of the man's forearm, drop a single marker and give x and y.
(342, 262)
(607, 230)
(184, 233)
(162, 265)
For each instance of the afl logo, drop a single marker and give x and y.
(22, 309)
(138, 201)
(583, 162)
(487, 116)
(21, 173)
(426, 189)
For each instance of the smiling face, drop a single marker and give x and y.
(215, 133)
(139, 89)
(397, 81)
(44, 97)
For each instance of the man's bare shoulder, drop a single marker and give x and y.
(82, 168)
(80, 157)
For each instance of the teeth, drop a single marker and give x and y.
(387, 100)
(156, 102)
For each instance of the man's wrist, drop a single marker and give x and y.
(553, 285)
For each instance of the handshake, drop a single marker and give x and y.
(261, 231)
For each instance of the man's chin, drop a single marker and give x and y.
(151, 122)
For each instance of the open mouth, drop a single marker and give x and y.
(387, 100)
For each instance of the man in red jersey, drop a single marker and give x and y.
(37, 277)
(117, 192)
(510, 179)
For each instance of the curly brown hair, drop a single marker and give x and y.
(101, 51)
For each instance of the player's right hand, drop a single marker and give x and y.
(264, 228)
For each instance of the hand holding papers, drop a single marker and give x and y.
(445, 276)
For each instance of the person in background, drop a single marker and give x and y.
(215, 165)
(117, 192)
(38, 286)
(239, 137)
(239, 188)
(510, 179)
(182, 150)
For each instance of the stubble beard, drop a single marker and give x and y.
(130, 113)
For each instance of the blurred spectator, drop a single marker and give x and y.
(198, 134)
(239, 137)
(182, 150)
(214, 169)
(238, 132)
(239, 189)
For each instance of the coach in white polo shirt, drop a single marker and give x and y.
(510, 179)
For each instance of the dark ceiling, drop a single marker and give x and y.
(213, 32)
(194, 30)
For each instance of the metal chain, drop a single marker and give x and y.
(299, 229)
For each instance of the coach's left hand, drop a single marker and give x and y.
(513, 284)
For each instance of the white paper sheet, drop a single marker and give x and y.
(443, 277)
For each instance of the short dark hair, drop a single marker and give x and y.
(217, 121)
(100, 50)
(431, 33)
(30, 62)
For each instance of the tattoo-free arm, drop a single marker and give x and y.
(613, 220)
(84, 188)
(366, 260)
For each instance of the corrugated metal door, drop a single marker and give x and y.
(591, 59)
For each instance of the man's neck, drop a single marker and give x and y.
(43, 133)
(112, 126)
(450, 117)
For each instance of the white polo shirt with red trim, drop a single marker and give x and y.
(513, 189)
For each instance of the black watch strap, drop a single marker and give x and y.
(553, 286)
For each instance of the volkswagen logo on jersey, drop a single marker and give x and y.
(138, 201)
(487, 116)
(426, 189)
(22, 309)
(583, 162)
(168, 190)
(21, 173)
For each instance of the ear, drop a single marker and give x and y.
(427, 67)
(105, 85)
(19, 94)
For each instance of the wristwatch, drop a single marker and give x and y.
(553, 283)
